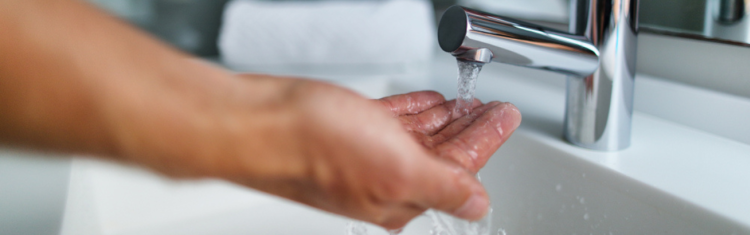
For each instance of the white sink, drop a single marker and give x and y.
(673, 180)
(537, 189)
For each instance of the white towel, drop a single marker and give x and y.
(544, 10)
(305, 33)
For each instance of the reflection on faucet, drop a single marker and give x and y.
(598, 55)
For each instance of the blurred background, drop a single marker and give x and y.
(194, 25)
(325, 39)
(268, 36)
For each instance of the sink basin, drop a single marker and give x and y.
(673, 180)
(536, 189)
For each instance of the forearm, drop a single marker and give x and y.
(74, 79)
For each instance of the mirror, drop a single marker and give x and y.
(724, 21)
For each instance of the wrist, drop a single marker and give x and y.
(212, 125)
(162, 118)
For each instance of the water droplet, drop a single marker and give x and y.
(586, 216)
(558, 187)
(395, 231)
(356, 228)
(582, 200)
(501, 232)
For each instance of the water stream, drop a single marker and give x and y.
(442, 223)
(468, 72)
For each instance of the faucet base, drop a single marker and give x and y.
(599, 107)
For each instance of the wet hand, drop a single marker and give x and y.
(386, 161)
(383, 161)
(469, 140)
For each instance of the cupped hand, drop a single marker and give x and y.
(383, 161)
(468, 140)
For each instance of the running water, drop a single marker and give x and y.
(442, 223)
(358, 228)
(445, 224)
(467, 82)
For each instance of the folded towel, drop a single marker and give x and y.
(544, 10)
(396, 32)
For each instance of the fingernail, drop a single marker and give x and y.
(473, 209)
(510, 112)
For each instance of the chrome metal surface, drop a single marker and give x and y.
(599, 55)
(482, 55)
(515, 42)
(600, 106)
(730, 11)
(726, 19)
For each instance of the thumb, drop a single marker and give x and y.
(452, 189)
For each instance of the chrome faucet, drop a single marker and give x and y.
(598, 55)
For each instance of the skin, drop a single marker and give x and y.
(75, 80)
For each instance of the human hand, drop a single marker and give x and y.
(384, 161)
(469, 140)
(365, 164)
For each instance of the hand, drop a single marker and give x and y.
(469, 140)
(383, 161)
(366, 164)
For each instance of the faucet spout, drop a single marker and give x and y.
(598, 56)
(462, 32)
(481, 55)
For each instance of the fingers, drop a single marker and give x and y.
(434, 119)
(459, 124)
(449, 188)
(412, 103)
(473, 145)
